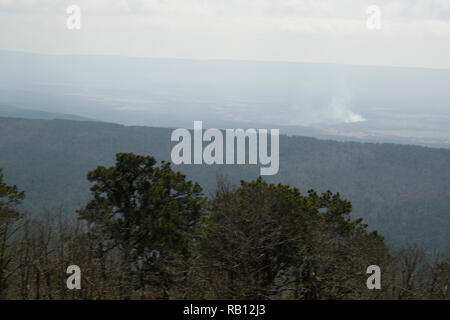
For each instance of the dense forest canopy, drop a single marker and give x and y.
(401, 191)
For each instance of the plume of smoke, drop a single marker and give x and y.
(322, 111)
(340, 106)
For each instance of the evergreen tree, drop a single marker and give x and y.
(144, 210)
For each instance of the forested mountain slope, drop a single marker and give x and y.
(401, 191)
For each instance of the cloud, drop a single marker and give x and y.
(307, 30)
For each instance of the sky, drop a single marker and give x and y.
(412, 33)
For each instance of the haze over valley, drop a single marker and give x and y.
(344, 102)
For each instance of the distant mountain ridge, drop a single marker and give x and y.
(402, 191)
(14, 112)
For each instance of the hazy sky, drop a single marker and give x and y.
(413, 32)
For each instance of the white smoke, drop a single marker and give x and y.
(334, 110)
(340, 108)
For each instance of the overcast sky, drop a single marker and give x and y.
(413, 32)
